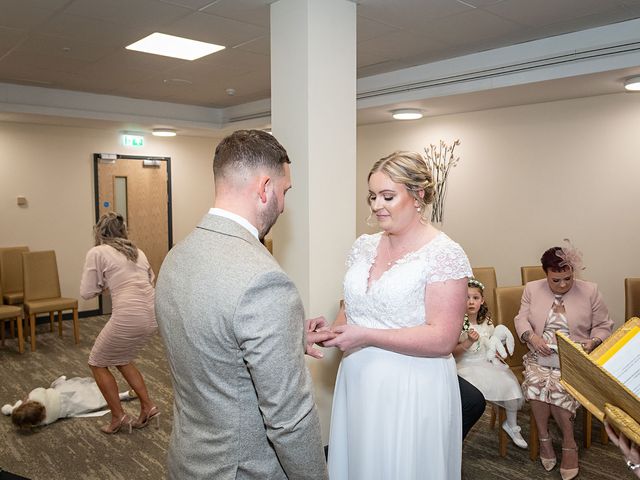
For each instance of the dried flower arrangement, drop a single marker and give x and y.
(440, 160)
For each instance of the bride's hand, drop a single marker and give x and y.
(349, 338)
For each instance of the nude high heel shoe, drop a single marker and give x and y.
(547, 463)
(569, 473)
(124, 421)
(151, 414)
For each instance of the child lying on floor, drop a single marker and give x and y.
(65, 398)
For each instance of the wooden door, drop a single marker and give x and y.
(139, 189)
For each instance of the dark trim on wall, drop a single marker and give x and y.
(44, 318)
(68, 316)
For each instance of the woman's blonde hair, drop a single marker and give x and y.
(111, 230)
(410, 170)
(29, 414)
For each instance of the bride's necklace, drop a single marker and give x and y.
(391, 259)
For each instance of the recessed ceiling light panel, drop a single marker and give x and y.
(632, 84)
(177, 81)
(163, 132)
(406, 114)
(176, 47)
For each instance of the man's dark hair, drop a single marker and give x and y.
(248, 150)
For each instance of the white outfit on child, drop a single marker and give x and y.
(66, 398)
(496, 382)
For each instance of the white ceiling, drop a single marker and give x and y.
(78, 45)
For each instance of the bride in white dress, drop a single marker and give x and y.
(396, 408)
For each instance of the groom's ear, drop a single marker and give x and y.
(264, 183)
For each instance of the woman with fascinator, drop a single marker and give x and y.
(558, 303)
(115, 263)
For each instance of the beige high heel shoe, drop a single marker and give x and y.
(124, 421)
(151, 414)
(547, 463)
(569, 473)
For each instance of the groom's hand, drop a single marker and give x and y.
(317, 331)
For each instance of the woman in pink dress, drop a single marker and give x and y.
(115, 263)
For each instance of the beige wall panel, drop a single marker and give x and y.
(52, 167)
(530, 176)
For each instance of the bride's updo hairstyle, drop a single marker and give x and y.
(410, 170)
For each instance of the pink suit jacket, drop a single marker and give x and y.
(587, 315)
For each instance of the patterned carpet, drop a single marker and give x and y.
(76, 449)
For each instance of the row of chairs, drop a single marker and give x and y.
(504, 304)
(487, 275)
(29, 286)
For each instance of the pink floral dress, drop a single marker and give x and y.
(542, 382)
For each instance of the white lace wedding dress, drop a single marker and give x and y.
(396, 417)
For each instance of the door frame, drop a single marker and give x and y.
(96, 189)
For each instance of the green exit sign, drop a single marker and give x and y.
(132, 140)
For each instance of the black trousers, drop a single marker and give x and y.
(473, 404)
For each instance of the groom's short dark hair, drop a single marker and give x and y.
(248, 150)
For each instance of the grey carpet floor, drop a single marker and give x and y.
(76, 449)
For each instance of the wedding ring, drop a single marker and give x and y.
(632, 466)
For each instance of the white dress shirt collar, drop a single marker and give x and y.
(236, 218)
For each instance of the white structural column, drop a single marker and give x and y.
(313, 105)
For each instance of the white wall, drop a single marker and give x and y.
(53, 167)
(530, 176)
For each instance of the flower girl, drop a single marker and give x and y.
(478, 363)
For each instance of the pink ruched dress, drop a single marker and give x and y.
(133, 318)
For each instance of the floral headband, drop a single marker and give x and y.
(476, 283)
(570, 256)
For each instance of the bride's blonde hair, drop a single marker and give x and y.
(410, 170)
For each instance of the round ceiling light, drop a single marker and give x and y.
(632, 84)
(163, 132)
(406, 114)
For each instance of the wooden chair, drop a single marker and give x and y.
(11, 313)
(11, 274)
(507, 307)
(631, 298)
(11, 278)
(268, 243)
(531, 273)
(487, 276)
(42, 292)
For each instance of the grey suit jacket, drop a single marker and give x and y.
(233, 326)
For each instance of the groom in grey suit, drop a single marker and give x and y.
(233, 326)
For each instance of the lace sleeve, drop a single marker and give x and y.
(361, 247)
(447, 262)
